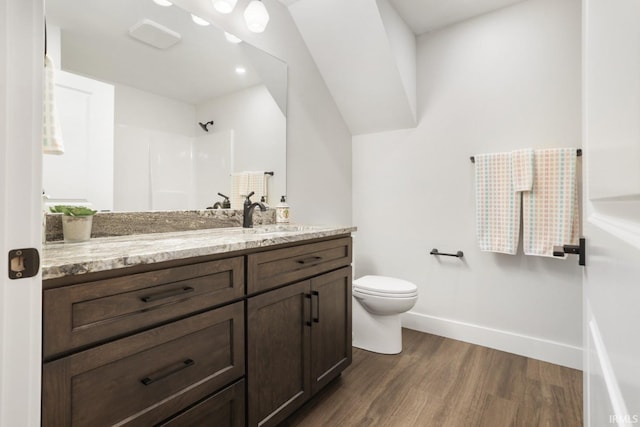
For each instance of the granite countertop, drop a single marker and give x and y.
(107, 253)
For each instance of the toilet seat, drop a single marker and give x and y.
(387, 287)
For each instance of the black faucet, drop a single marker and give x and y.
(247, 212)
(226, 204)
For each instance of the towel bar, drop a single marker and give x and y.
(458, 254)
(578, 153)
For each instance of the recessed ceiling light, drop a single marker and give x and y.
(199, 20)
(232, 38)
(241, 70)
(165, 3)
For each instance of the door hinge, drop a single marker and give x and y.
(23, 263)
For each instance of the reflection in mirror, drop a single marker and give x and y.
(130, 111)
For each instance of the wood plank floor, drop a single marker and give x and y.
(438, 382)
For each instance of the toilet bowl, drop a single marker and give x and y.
(378, 302)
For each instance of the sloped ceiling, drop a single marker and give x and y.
(365, 50)
(361, 60)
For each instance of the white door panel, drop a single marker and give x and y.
(21, 73)
(611, 89)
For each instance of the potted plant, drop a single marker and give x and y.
(76, 222)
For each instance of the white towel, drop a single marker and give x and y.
(258, 183)
(239, 189)
(522, 167)
(497, 205)
(243, 183)
(550, 209)
(51, 131)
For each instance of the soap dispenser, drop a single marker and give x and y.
(282, 211)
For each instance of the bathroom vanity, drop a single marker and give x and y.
(226, 327)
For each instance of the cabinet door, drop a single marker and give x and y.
(331, 326)
(278, 351)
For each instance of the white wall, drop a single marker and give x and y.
(259, 128)
(503, 81)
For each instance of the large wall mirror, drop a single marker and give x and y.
(133, 82)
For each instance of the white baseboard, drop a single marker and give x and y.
(535, 348)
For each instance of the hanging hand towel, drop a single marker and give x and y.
(550, 209)
(497, 205)
(522, 167)
(239, 189)
(258, 183)
(51, 132)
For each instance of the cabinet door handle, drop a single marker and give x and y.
(317, 295)
(167, 294)
(167, 372)
(308, 296)
(309, 260)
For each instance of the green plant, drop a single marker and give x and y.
(72, 210)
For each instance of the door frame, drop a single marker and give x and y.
(21, 75)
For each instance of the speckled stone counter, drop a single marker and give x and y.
(107, 253)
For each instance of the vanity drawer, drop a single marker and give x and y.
(94, 312)
(224, 409)
(146, 378)
(266, 270)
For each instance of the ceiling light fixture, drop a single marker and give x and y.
(256, 16)
(241, 70)
(232, 38)
(164, 3)
(224, 6)
(199, 20)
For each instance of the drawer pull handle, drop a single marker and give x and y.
(317, 295)
(183, 365)
(167, 294)
(309, 260)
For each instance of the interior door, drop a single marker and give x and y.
(21, 73)
(86, 110)
(611, 124)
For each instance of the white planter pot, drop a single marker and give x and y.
(76, 228)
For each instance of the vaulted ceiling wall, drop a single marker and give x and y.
(366, 54)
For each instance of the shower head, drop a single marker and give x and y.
(205, 126)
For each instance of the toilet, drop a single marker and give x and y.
(378, 302)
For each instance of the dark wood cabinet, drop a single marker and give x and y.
(298, 340)
(236, 339)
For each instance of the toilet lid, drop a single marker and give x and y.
(382, 285)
